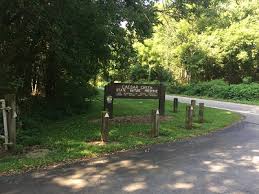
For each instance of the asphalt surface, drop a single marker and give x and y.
(223, 162)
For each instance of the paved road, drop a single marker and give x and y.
(223, 162)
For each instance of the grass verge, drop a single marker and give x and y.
(72, 138)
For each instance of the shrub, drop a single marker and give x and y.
(142, 73)
(139, 72)
(161, 74)
(247, 80)
(219, 89)
(28, 134)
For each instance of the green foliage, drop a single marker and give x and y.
(220, 89)
(139, 72)
(161, 74)
(151, 64)
(29, 132)
(247, 80)
(144, 73)
(206, 40)
(53, 49)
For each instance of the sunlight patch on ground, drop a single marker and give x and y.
(130, 165)
(135, 187)
(71, 183)
(100, 162)
(179, 173)
(217, 189)
(82, 173)
(229, 182)
(79, 179)
(181, 185)
(207, 162)
(238, 147)
(221, 154)
(217, 167)
(255, 160)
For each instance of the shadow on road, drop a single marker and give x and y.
(224, 162)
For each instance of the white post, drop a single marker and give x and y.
(5, 123)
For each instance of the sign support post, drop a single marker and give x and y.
(162, 99)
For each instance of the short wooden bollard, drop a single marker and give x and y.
(201, 112)
(175, 107)
(188, 118)
(193, 104)
(105, 126)
(155, 123)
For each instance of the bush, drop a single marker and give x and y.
(161, 74)
(139, 72)
(219, 89)
(28, 134)
(157, 73)
(74, 101)
(247, 80)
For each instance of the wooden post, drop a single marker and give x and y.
(201, 112)
(193, 104)
(175, 107)
(105, 126)
(6, 136)
(155, 123)
(188, 118)
(105, 98)
(162, 100)
(11, 119)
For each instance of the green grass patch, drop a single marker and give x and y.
(71, 138)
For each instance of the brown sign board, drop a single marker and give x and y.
(134, 91)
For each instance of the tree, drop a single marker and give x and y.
(205, 40)
(53, 48)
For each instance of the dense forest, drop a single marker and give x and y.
(55, 52)
(54, 49)
(203, 42)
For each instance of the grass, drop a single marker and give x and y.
(67, 139)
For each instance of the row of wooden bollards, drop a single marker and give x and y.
(190, 114)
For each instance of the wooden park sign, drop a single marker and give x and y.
(133, 91)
